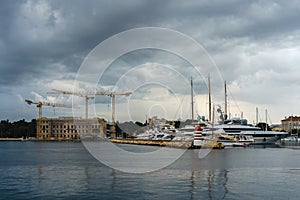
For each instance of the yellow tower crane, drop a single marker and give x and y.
(40, 105)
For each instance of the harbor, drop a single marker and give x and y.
(70, 172)
(217, 131)
(143, 99)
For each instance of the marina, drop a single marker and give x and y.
(235, 132)
(142, 100)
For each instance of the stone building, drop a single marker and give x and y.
(70, 128)
(290, 123)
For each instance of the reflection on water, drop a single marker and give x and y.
(31, 170)
(290, 144)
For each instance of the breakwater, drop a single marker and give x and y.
(162, 143)
(13, 139)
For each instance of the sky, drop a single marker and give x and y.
(253, 45)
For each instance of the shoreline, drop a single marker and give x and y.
(14, 139)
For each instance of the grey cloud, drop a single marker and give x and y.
(50, 41)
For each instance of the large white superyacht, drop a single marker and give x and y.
(260, 136)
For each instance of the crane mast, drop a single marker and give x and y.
(113, 102)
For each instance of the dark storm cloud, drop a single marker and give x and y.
(67, 30)
(38, 34)
(42, 41)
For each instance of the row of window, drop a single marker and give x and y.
(71, 127)
(66, 131)
(62, 136)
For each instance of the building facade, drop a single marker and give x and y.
(70, 128)
(290, 123)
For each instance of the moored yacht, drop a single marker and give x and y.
(290, 139)
(259, 136)
(235, 140)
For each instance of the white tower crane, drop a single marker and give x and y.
(86, 96)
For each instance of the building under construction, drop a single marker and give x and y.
(70, 128)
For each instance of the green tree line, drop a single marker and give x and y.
(17, 129)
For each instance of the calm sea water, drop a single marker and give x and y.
(37, 170)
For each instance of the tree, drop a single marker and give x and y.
(17, 129)
(263, 125)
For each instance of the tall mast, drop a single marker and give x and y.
(266, 119)
(225, 87)
(213, 121)
(256, 115)
(209, 100)
(192, 99)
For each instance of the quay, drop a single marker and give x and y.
(13, 139)
(161, 143)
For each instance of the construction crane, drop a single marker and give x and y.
(40, 105)
(86, 96)
(91, 95)
(113, 101)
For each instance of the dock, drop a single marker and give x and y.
(13, 139)
(161, 143)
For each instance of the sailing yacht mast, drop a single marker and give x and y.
(256, 115)
(209, 99)
(192, 99)
(225, 88)
(266, 120)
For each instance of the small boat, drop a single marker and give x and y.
(235, 140)
(239, 144)
(290, 139)
(212, 144)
